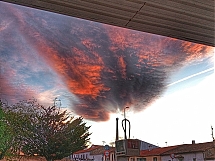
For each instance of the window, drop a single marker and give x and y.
(141, 159)
(155, 159)
(132, 159)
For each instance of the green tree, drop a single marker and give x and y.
(5, 133)
(19, 117)
(48, 132)
(14, 127)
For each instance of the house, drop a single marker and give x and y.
(154, 154)
(191, 152)
(209, 154)
(84, 155)
(100, 154)
(151, 154)
(184, 152)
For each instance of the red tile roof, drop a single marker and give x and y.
(178, 149)
(156, 151)
(93, 147)
(189, 148)
(101, 150)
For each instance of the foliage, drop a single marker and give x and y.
(48, 132)
(20, 117)
(5, 133)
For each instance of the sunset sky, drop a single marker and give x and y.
(96, 70)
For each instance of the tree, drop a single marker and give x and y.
(48, 132)
(33, 129)
(5, 133)
(14, 125)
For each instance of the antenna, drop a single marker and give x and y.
(57, 100)
(124, 125)
(212, 134)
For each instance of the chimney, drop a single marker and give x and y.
(193, 142)
(117, 129)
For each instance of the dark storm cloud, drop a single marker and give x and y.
(106, 67)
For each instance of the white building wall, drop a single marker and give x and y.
(82, 156)
(98, 157)
(102, 158)
(112, 156)
(187, 157)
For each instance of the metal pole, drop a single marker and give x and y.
(117, 129)
(125, 122)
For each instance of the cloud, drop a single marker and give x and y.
(104, 68)
(191, 76)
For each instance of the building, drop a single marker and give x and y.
(191, 152)
(100, 154)
(94, 153)
(154, 154)
(129, 149)
(84, 155)
(184, 152)
(209, 154)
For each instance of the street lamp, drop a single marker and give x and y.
(124, 111)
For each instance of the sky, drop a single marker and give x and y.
(96, 70)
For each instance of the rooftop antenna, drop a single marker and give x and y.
(212, 134)
(57, 100)
(124, 125)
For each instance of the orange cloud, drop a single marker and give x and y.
(196, 51)
(80, 71)
(122, 66)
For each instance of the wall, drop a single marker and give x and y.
(187, 157)
(97, 157)
(122, 158)
(149, 158)
(82, 156)
(112, 156)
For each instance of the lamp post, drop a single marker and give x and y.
(124, 111)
